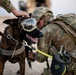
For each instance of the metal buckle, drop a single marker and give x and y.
(10, 37)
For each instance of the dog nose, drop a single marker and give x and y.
(41, 34)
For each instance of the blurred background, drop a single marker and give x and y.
(57, 6)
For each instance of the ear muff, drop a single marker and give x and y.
(58, 66)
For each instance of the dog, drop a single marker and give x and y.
(12, 48)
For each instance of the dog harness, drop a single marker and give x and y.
(10, 53)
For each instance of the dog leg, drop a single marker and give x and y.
(22, 67)
(1, 68)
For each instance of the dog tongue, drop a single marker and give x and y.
(34, 39)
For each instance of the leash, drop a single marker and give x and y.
(59, 60)
(39, 51)
(45, 54)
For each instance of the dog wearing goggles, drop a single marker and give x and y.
(13, 48)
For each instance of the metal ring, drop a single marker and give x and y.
(8, 36)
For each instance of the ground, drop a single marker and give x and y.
(11, 69)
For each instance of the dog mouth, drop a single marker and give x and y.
(32, 39)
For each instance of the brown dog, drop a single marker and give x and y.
(12, 48)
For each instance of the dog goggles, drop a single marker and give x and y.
(29, 24)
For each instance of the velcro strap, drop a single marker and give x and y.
(9, 53)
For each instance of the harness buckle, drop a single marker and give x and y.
(10, 37)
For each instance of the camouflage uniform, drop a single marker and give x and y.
(6, 4)
(54, 35)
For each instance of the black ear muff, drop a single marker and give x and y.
(58, 66)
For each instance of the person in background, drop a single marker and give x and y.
(8, 6)
(32, 4)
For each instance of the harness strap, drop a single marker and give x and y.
(9, 38)
(43, 53)
(67, 28)
(3, 35)
(9, 53)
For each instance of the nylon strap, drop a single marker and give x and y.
(9, 53)
(45, 54)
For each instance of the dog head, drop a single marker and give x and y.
(26, 27)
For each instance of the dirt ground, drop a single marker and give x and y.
(11, 69)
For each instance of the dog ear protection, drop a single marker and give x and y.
(58, 66)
